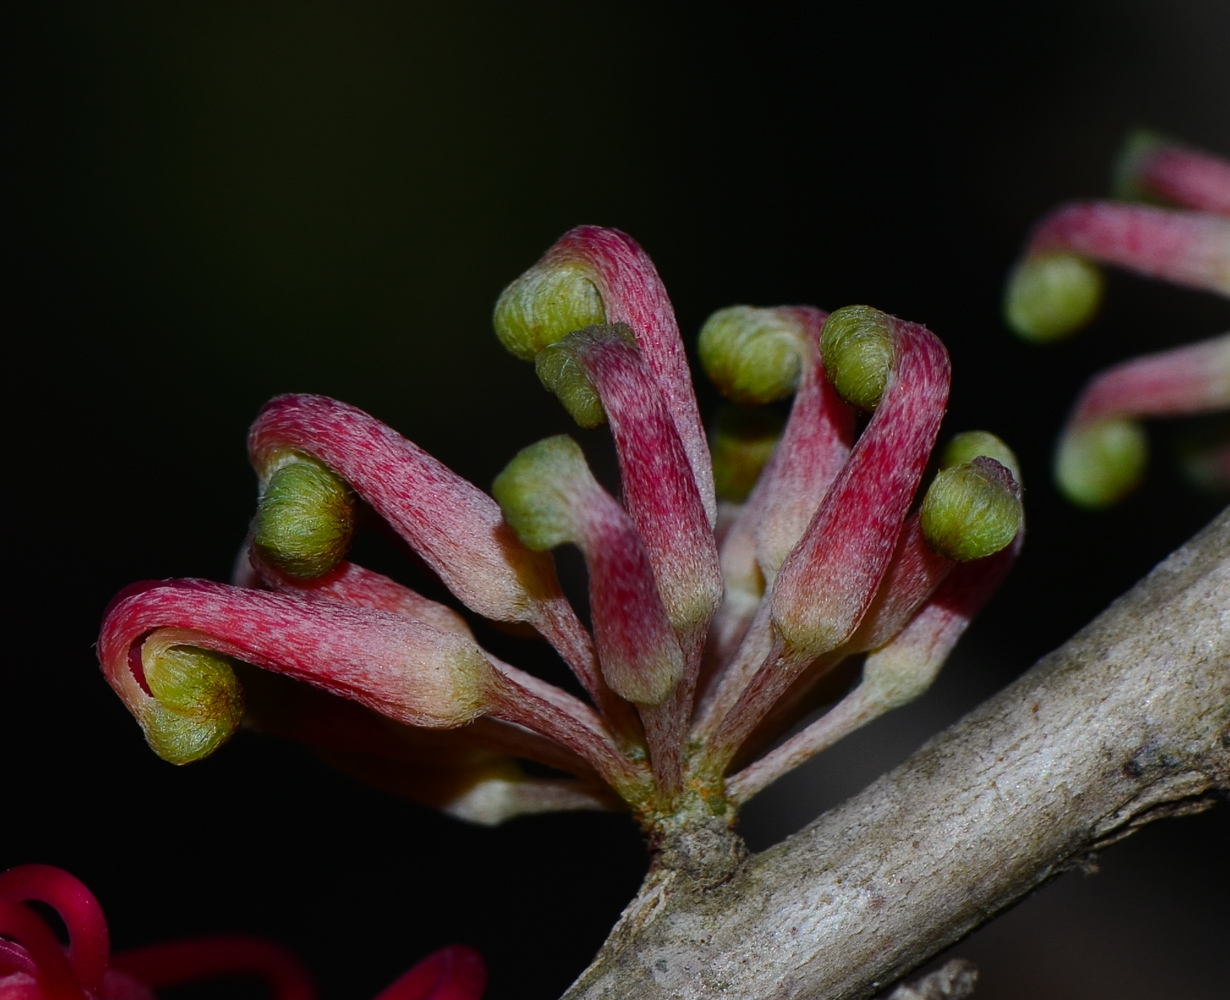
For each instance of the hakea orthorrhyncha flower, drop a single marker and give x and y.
(35, 966)
(714, 613)
(1056, 288)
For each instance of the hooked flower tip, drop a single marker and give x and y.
(752, 355)
(561, 371)
(1052, 295)
(858, 352)
(305, 520)
(547, 302)
(197, 702)
(531, 491)
(971, 510)
(1099, 463)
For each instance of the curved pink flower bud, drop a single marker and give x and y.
(659, 491)
(452, 524)
(593, 276)
(1102, 451)
(829, 579)
(1153, 167)
(1055, 290)
(158, 641)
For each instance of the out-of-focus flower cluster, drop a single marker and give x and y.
(723, 590)
(34, 965)
(1056, 288)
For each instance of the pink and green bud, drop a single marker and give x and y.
(659, 491)
(858, 348)
(1054, 290)
(1156, 169)
(1103, 451)
(752, 355)
(1100, 462)
(554, 298)
(742, 443)
(305, 520)
(563, 374)
(829, 579)
(401, 668)
(550, 497)
(971, 510)
(1052, 295)
(455, 527)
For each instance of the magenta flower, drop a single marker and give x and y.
(1056, 288)
(719, 598)
(35, 966)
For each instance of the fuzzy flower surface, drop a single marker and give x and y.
(1173, 224)
(727, 579)
(35, 966)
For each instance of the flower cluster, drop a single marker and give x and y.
(1056, 288)
(35, 966)
(722, 591)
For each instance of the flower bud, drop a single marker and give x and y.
(1099, 463)
(197, 703)
(534, 491)
(562, 372)
(549, 496)
(1051, 295)
(753, 355)
(549, 301)
(969, 445)
(742, 443)
(305, 520)
(858, 352)
(971, 510)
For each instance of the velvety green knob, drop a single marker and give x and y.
(1051, 295)
(752, 355)
(197, 703)
(547, 302)
(305, 520)
(971, 510)
(858, 352)
(1098, 464)
(534, 492)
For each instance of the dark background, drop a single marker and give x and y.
(209, 204)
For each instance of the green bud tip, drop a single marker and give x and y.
(560, 371)
(1052, 295)
(752, 355)
(546, 303)
(742, 442)
(305, 520)
(857, 347)
(1125, 177)
(197, 704)
(533, 491)
(971, 510)
(969, 445)
(1098, 464)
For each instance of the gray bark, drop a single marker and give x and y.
(1127, 722)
